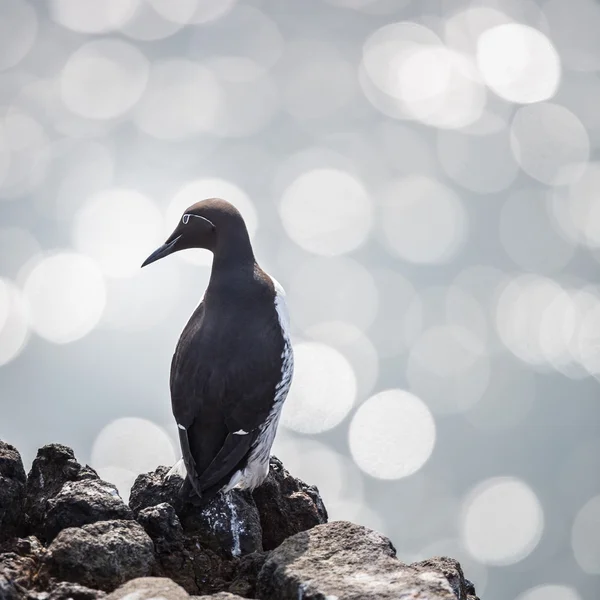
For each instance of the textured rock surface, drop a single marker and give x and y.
(349, 562)
(73, 591)
(150, 489)
(53, 466)
(101, 555)
(286, 506)
(81, 502)
(229, 524)
(149, 588)
(271, 543)
(12, 491)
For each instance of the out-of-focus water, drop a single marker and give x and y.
(422, 177)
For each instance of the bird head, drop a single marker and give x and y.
(201, 226)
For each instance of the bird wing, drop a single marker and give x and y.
(219, 401)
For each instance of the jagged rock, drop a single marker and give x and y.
(20, 560)
(101, 555)
(349, 562)
(246, 574)
(463, 589)
(12, 491)
(162, 524)
(286, 506)
(150, 489)
(81, 502)
(16, 575)
(73, 591)
(230, 524)
(149, 588)
(53, 466)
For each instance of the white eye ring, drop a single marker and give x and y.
(185, 218)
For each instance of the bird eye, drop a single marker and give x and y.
(185, 219)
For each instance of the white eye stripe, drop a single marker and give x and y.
(186, 218)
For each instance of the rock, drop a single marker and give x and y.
(230, 524)
(16, 575)
(219, 596)
(149, 588)
(20, 561)
(150, 489)
(53, 466)
(452, 571)
(73, 591)
(101, 555)
(246, 574)
(286, 506)
(81, 502)
(12, 491)
(349, 562)
(162, 524)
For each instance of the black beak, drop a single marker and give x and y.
(166, 249)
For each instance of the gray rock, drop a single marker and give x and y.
(12, 491)
(149, 588)
(81, 502)
(230, 524)
(17, 574)
(286, 506)
(463, 589)
(53, 466)
(349, 562)
(219, 596)
(150, 489)
(101, 555)
(73, 591)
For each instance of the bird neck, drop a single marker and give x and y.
(232, 256)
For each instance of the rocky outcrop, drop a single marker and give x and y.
(286, 506)
(101, 555)
(66, 534)
(350, 562)
(12, 491)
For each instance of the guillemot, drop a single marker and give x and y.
(233, 364)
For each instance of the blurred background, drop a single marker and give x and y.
(422, 177)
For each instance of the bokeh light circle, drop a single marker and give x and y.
(550, 143)
(182, 100)
(550, 592)
(137, 445)
(323, 389)
(104, 79)
(91, 16)
(118, 228)
(392, 434)
(423, 221)
(585, 537)
(502, 521)
(519, 63)
(66, 295)
(326, 211)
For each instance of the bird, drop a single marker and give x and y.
(233, 363)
